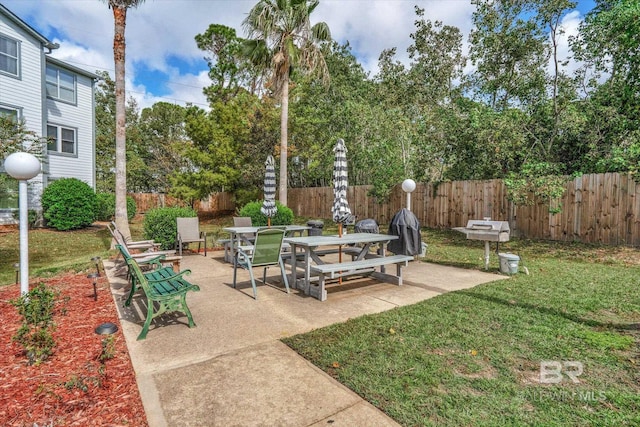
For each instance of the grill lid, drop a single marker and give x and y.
(482, 225)
(487, 230)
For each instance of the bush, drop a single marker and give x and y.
(69, 204)
(243, 196)
(32, 217)
(35, 334)
(161, 225)
(252, 209)
(106, 207)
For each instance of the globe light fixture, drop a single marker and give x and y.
(408, 186)
(23, 166)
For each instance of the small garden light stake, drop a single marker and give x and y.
(96, 260)
(94, 277)
(16, 268)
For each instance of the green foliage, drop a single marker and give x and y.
(252, 209)
(106, 207)
(32, 217)
(69, 204)
(108, 348)
(540, 180)
(246, 195)
(35, 334)
(160, 224)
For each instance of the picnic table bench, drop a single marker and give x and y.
(357, 267)
(167, 288)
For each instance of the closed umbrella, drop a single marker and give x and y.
(269, 208)
(340, 210)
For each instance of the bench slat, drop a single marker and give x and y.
(362, 264)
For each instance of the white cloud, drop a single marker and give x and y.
(161, 32)
(569, 27)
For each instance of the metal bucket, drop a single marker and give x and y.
(508, 263)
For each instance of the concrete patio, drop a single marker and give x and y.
(232, 368)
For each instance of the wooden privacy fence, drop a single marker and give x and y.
(216, 203)
(596, 208)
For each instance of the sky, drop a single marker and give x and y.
(164, 63)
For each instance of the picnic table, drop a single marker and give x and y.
(307, 254)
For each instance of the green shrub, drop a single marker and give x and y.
(160, 224)
(252, 209)
(69, 204)
(106, 207)
(243, 196)
(32, 217)
(36, 308)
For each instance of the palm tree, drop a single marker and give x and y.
(281, 38)
(119, 8)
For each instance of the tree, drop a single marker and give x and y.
(437, 60)
(15, 137)
(321, 114)
(282, 36)
(162, 128)
(119, 8)
(105, 108)
(508, 50)
(229, 70)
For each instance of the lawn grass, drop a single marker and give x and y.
(52, 252)
(469, 357)
(473, 357)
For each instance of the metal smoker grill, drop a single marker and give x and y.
(488, 231)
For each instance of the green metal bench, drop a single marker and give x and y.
(154, 262)
(358, 267)
(169, 291)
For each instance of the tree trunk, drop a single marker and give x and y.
(284, 119)
(121, 218)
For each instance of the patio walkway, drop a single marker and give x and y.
(233, 370)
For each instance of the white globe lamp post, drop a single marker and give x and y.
(23, 166)
(408, 185)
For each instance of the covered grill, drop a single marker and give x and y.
(405, 225)
(488, 231)
(368, 225)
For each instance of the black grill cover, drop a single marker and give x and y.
(406, 226)
(368, 225)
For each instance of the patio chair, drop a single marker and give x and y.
(242, 221)
(129, 243)
(189, 232)
(149, 247)
(264, 253)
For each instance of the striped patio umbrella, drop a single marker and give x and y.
(269, 208)
(340, 210)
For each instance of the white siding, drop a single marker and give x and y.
(25, 92)
(80, 118)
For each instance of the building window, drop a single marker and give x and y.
(9, 56)
(9, 113)
(61, 84)
(61, 139)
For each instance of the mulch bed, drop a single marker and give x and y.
(73, 387)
